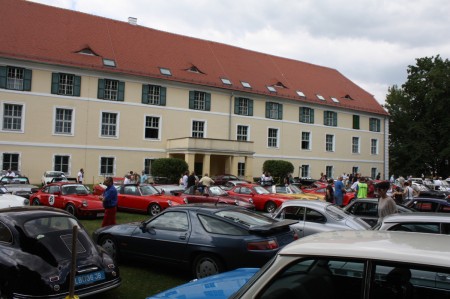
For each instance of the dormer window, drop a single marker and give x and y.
(301, 94)
(165, 72)
(320, 97)
(348, 97)
(225, 81)
(334, 100)
(279, 85)
(246, 84)
(87, 51)
(109, 62)
(194, 69)
(271, 89)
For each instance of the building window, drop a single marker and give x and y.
(10, 161)
(355, 169)
(374, 146)
(112, 90)
(272, 138)
(151, 127)
(373, 173)
(241, 169)
(198, 129)
(66, 84)
(355, 145)
(306, 140)
(199, 100)
(107, 166)
(242, 133)
(274, 110)
(243, 106)
(306, 115)
(330, 118)
(374, 125)
(12, 117)
(109, 124)
(148, 166)
(356, 122)
(154, 95)
(61, 163)
(305, 171)
(329, 143)
(329, 171)
(63, 121)
(15, 78)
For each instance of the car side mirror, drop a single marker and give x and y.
(34, 190)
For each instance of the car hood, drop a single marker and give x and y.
(13, 187)
(220, 286)
(356, 223)
(9, 200)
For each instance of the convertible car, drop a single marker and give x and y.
(36, 254)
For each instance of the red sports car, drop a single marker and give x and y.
(74, 198)
(262, 199)
(348, 196)
(144, 199)
(100, 188)
(215, 194)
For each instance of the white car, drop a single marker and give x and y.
(356, 264)
(8, 200)
(50, 175)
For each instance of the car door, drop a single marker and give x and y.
(52, 197)
(129, 197)
(315, 222)
(367, 211)
(294, 213)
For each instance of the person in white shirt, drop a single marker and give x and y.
(80, 176)
(10, 173)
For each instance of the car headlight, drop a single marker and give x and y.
(169, 202)
(236, 202)
(250, 200)
(85, 203)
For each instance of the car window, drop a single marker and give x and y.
(425, 206)
(217, 226)
(131, 190)
(73, 189)
(431, 228)
(364, 209)
(147, 190)
(244, 190)
(444, 209)
(281, 189)
(53, 189)
(294, 213)
(314, 216)
(37, 228)
(5, 234)
(170, 221)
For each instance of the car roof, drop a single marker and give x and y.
(24, 213)
(418, 217)
(433, 199)
(431, 249)
(305, 202)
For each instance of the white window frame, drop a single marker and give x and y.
(72, 122)
(101, 125)
(247, 135)
(329, 171)
(16, 81)
(22, 117)
(19, 162)
(356, 150)
(154, 94)
(306, 117)
(100, 165)
(309, 141)
(111, 90)
(270, 138)
(374, 123)
(69, 166)
(374, 148)
(204, 128)
(66, 84)
(307, 172)
(159, 127)
(200, 100)
(332, 143)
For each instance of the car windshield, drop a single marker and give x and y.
(54, 174)
(148, 190)
(14, 180)
(261, 190)
(247, 218)
(336, 212)
(37, 228)
(296, 189)
(74, 189)
(217, 191)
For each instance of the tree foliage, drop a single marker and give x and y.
(171, 168)
(420, 121)
(278, 168)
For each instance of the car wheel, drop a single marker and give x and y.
(110, 246)
(154, 209)
(71, 209)
(35, 202)
(270, 207)
(206, 265)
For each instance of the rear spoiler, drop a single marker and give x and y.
(274, 226)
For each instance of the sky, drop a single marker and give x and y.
(371, 42)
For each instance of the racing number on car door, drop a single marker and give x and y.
(51, 200)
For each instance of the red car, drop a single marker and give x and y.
(98, 189)
(215, 194)
(72, 197)
(144, 199)
(348, 196)
(262, 199)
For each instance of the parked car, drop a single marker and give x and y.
(262, 199)
(36, 256)
(355, 264)
(421, 204)
(48, 176)
(169, 189)
(74, 198)
(367, 209)
(9, 200)
(144, 199)
(205, 238)
(294, 192)
(223, 178)
(424, 191)
(215, 195)
(349, 194)
(19, 185)
(314, 216)
(230, 184)
(100, 188)
(432, 223)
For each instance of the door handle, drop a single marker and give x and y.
(183, 237)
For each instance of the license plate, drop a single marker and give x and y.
(89, 278)
(100, 214)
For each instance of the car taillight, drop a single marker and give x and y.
(295, 235)
(263, 245)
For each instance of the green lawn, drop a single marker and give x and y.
(139, 280)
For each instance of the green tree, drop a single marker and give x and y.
(278, 168)
(419, 119)
(171, 168)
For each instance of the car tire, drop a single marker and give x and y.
(206, 265)
(153, 209)
(35, 202)
(270, 207)
(110, 246)
(71, 209)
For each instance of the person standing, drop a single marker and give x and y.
(378, 176)
(109, 199)
(185, 179)
(206, 181)
(361, 188)
(144, 178)
(386, 205)
(329, 194)
(10, 173)
(408, 192)
(339, 191)
(191, 180)
(80, 176)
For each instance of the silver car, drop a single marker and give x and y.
(432, 223)
(316, 216)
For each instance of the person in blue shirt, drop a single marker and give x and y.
(109, 199)
(339, 190)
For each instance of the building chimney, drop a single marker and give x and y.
(132, 20)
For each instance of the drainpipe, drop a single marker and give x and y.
(229, 115)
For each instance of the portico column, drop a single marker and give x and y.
(249, 168)
(206, 164)
(190, 160)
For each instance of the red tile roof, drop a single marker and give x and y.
(52, 35)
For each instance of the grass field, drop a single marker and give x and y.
(139, 280)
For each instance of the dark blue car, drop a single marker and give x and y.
(421, 204)
(204, 238)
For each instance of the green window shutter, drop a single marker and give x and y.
(144, 94)
(356, 122)
(76, 86)
(300, 109)
(27, 79)
(280, 111)
(250, 107)
(121, 93)
(267, 109)
(191, 99)
(55, 83)
(208, 101)
(162, 96)
(335, 119)
(3, 72)
(325, 117)
(312, 116)
(236, 105)
(101, 89)
(378, 125)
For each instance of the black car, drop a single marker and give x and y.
(205, 238)
(367, 209)
(422, 204)
(36, 254)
